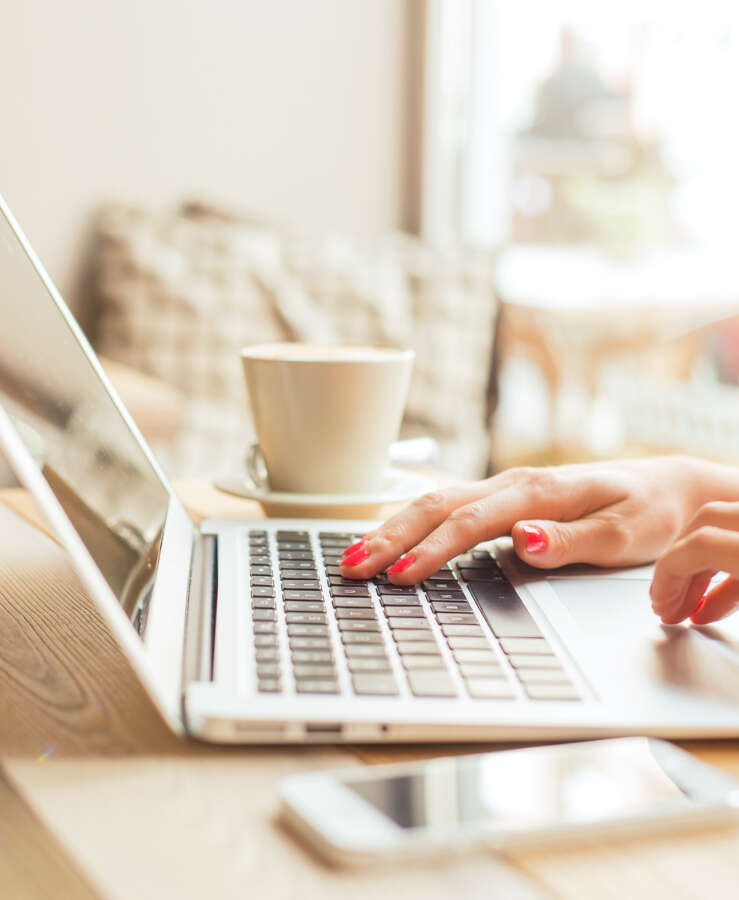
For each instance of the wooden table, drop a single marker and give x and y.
(99, 799)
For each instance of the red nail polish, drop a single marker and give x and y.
(357, 557)
(403, 563)
(352, 547)
(536, 540)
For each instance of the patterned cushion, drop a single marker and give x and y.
(179, 294)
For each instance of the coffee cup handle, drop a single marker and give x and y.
(256, 468)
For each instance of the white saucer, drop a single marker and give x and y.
(398, 485)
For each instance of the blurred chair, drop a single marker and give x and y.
(176, 295)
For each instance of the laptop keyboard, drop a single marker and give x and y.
(315, 632)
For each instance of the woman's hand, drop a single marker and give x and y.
(608, 514)
(707, 546)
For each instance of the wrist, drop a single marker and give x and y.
(705, 481)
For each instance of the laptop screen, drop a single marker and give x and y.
(70, 425)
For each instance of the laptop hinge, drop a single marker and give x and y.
(202, 601)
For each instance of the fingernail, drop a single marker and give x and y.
(352, 547)
(403, 563)
(536, 540)
(357, 557)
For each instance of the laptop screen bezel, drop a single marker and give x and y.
(157, 657)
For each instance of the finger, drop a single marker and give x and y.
(705, 551)
(381, 547)
(600, 539)
(716, 514)
(718, 603)
(486, 518)
(435, 528)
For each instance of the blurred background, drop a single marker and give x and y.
(539, 198)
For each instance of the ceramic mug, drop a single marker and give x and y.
(324, 416)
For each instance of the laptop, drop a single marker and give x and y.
(244, 631)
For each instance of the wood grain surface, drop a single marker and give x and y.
(84, 749)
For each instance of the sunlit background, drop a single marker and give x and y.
(539, 197)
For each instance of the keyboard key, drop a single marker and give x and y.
(412, 634)
(475, 656)
(260, 570)
(303, 606)
(269, 685)
(405, 622)
(462, 631)
(483, 555)
(264, 628)
(397, 590)
(352, 603)
(298, 575)
(292, 555)
(263, 615)
(446, 607)
(424, 662)
(343, 613)
(300, 642)
(494, 576)
(376, 664)
(346, 582)
(300, 546)
(317, 686)
(288, 534)
(305, 618)
(431, 683)
(468, 643)
(358, 625)
(481, 670)
(374, 683)
(364, 651)
(302, 595)
(333, 570)
(543, 676)
(259, 559)
(533, 661)
(311, 657)
(470, 562)
(307, 630)
(406, 612)
(262, 591)
(296, 565)
(399, 601)
(417, 648)
(313, 671)
(436, 596)
(362, 637)
(263, 603)
(552, 692)
(455, 619)
(268, 670)
(261, 581)
(265, 640)
(438, 581)
(490, 689)
(294, 584)
(356, 590)
(504, 610)
(267, 654)
(526, 645)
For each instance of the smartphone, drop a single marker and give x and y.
(506, 799)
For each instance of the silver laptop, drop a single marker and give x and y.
(244, 631)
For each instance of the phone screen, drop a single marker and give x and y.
(532, 788)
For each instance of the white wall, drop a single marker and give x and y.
(294, 109)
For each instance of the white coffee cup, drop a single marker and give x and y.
(325, 416)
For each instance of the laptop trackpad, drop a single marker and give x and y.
(626, 639)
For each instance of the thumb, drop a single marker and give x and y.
(548, 545)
